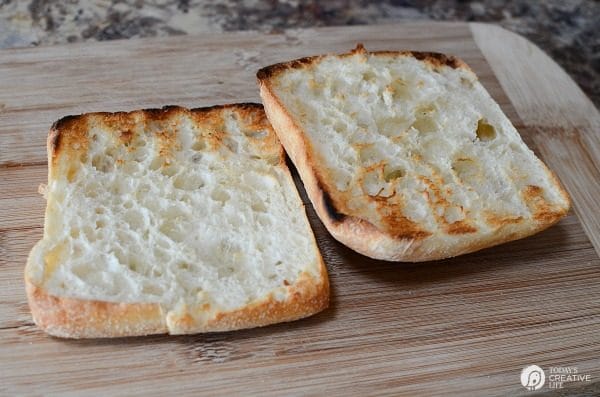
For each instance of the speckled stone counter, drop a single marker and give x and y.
(568, 30)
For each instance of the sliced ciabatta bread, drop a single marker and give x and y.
(405, 155)
(171, 220)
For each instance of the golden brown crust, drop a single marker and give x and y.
(305, 297)
(80, 318)
(401, 239)
(435, 59)
(72, 130)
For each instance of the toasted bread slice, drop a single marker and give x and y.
(171, 221)
(405, 155)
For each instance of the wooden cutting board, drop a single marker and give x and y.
(465, 326)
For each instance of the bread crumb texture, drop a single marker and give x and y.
(413, 143)
(191, 210)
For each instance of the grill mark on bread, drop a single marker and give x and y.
(122, 124)
(401, 227)
(72, 129)
(460, 227)
(452, 228)
(542, 210)
(396, 224)
(548, 216)
(498, 220)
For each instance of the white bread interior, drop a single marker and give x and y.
(190, 215)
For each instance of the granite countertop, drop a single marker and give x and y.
(568, 30)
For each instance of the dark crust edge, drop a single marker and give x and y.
(334, 214)
(435, 59)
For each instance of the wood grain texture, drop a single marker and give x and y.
(563, 122)
(20, 202)
(464, 326)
